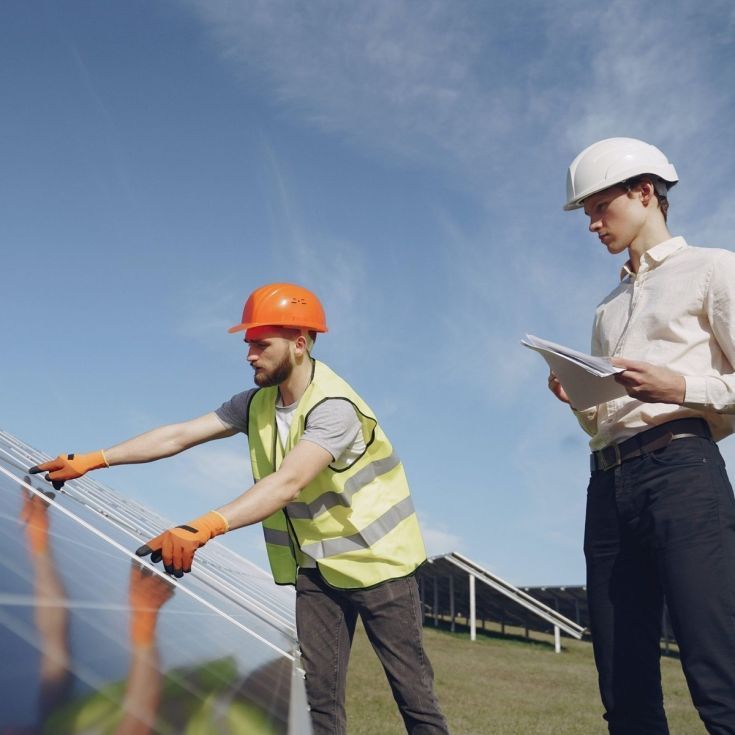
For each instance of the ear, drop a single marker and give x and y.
(645, 186)
(300, 345)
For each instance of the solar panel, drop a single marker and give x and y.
(445, 592)
(94, 640)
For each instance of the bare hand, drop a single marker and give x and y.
(650, 383)
(556, 388)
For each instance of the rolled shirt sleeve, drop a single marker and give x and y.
(716, 392)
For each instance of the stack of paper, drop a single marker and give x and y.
(587, 380)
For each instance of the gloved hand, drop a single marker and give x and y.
(177, 545)
(69, 467)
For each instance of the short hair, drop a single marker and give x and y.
(308, 334)
(660, 190)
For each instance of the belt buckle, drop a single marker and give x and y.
(603, 460)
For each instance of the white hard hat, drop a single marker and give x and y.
(612, 161)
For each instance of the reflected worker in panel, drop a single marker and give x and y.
(660, 510)
(58, 709)
(51, 616)
(207, 697)
(147, 594)
(129, 706)
(333, 498)
(132, 712)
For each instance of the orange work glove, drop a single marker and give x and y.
(177, 545)
(69, 467)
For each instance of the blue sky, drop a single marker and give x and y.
(406, 161)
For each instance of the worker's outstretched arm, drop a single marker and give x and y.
(176, 546)
(164, 441)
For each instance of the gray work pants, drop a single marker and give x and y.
(391, 614)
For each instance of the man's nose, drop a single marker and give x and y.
(594, 225)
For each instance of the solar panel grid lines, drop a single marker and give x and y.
(278, 606)
(82, 619)
(142, 524)
(210, 563)
(153, 568)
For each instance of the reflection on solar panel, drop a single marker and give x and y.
(94, 641)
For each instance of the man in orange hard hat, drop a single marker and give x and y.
(660, 522)
(333, 499)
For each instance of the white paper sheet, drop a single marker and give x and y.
(586, 379)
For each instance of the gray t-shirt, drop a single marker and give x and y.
(332, 425)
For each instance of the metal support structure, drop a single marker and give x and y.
(557, 639)
(473, 621)
(497, 600)
(451, 601)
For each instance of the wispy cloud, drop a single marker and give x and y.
(474, 88)
(437, 538)
(656, 76)
(406, 78)
(207, 310)
(219, 472)
(500, 97)
(296, 252)
(336, 269)
(495, 96)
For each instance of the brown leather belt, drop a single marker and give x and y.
(648, 441)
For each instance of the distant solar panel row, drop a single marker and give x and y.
(94, 641)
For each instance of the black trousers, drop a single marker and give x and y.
(391, 614)
(663, 526)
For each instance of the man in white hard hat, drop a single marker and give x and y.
(660, 521)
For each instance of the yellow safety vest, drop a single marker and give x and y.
(359, 522)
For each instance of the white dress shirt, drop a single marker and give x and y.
(677, 311)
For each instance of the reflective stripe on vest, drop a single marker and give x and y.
(365, 538)
(358, 522)
(276, 537)
(331, 499)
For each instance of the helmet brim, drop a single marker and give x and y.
(252, 325)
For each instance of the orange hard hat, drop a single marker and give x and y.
(282, 305)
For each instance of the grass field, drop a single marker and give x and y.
(504, 685)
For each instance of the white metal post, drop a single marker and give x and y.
(473, 622)
(557, 639)
(451, 600)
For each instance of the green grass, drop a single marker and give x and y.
(505, 685)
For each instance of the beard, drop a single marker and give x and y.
(277, 375)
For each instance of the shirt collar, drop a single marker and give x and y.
(657, 254)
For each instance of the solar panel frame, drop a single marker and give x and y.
(225, 597)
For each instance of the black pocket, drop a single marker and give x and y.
(689, 452)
